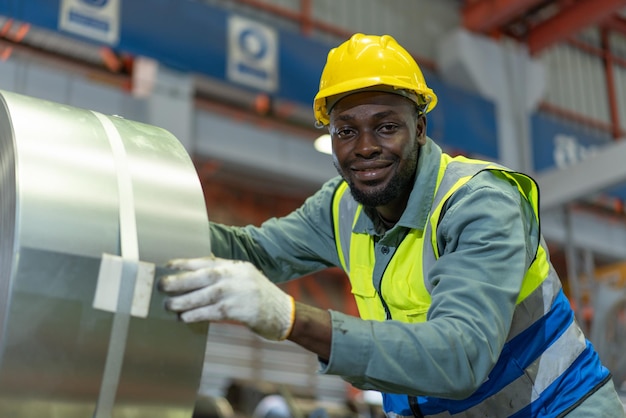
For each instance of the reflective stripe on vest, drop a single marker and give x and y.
(536, 334)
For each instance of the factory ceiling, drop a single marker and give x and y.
(540, 23)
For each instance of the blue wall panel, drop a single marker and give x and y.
(44, 13)
(462, 122)
(189, 38)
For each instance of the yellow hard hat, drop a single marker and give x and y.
(367, 61)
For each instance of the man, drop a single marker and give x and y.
(461, 312)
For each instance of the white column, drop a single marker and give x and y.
(503, 72)
(169, 95)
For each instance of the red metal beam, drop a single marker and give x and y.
(610, 86)
(582, 14)
(306, 13)
(576, 117)
(486, 16)
(616, 23)
(598, 52)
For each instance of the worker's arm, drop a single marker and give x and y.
(283, 248)
(288, 247)
(312, 330)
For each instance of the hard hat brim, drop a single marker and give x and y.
(384, 84)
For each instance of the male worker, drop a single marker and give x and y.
(461, 312)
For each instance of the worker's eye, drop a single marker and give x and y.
(343, 133)
(388, 128)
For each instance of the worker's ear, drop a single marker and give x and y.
(420, 132)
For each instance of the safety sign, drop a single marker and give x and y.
(98, 20)
(252, 54)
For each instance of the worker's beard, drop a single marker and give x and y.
(401, 182)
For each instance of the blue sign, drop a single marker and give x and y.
(95, 3)
(98, 20)
(252, 54)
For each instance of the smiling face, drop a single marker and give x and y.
(376, 138)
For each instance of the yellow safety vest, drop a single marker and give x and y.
(525, 366)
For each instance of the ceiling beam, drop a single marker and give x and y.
(487, 15)
(582, 14)
(616, 23)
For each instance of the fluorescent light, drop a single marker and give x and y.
(323, 144)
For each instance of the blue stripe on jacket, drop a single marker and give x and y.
(584, 375)
(516, 356)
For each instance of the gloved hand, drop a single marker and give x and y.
(214, 289)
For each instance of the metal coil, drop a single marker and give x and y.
(90, 207)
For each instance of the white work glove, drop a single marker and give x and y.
(215, 289)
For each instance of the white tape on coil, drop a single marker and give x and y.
(124, 283)
(110, 282)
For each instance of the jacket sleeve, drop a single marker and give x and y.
(489, 237)
(288, 247)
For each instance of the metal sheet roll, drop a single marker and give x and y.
(90, 207)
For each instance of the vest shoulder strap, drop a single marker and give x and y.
(345, 214)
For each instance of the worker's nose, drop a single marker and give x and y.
(367, 145)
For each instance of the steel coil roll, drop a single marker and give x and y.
(90, 207)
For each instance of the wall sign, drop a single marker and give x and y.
(252, 54)
(94, 19)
